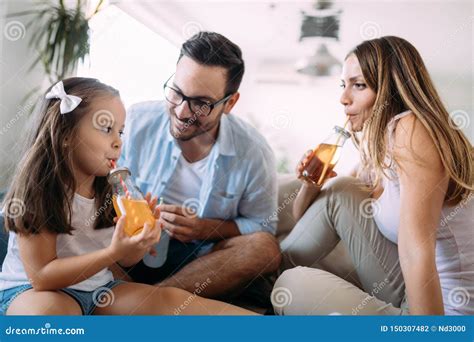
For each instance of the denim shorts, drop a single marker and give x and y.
(87, 300)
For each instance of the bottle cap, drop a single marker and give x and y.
(342, 131)
(115, 175)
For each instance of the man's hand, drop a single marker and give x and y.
(182, 223)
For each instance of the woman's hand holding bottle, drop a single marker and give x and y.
(311, 165)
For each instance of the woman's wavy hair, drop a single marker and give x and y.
(394, 70)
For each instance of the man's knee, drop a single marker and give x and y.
(267, 249)
(259, 251)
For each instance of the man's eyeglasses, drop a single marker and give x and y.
(196, 105)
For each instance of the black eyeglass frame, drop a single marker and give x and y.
(187, 98)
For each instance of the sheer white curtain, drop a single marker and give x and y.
(163, 17)
(128, 55)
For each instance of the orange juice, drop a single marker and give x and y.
(138, 213)
(329, 155)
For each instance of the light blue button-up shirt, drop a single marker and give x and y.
(240, 182)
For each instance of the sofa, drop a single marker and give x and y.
(337, 262)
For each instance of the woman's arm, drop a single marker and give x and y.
(423, 186)
(309, 192)
(305, 197)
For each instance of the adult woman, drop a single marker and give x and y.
(412, 254)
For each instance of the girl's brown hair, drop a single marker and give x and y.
(40, 196)
(394, 70)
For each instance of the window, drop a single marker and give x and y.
(128, 56)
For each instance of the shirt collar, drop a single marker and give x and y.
(225, 138)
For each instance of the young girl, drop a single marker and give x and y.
(410, 235)
(60, 217)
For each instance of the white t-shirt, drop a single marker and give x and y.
(84, 239)
(186, 183)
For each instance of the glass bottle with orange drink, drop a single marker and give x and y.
(129, 201)
(328, 152)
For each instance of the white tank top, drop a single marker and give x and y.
(85, 239)
(454, 242)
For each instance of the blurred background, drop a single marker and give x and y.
(293, 52)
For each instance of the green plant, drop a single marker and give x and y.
(62, 39)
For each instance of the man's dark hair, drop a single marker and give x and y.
(213, 49)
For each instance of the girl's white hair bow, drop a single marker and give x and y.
(68, 102)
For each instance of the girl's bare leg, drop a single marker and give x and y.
(142, 299)
(33, 302)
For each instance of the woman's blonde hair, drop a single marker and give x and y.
(394, 70)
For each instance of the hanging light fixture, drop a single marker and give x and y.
(321, 26)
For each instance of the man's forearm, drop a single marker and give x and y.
(220, 229)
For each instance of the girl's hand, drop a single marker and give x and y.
(123, 245)
(151, 201)
(314, 166)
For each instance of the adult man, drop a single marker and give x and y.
(202, 160)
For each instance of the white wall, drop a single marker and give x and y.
(15, 83)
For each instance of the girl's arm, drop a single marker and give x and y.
(48, 272)
(423, 186)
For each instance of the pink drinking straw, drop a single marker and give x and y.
(127, 194)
